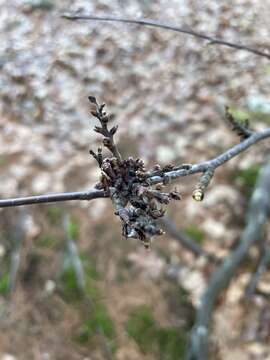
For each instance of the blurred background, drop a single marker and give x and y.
(70, 286)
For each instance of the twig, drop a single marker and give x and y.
(108, 141)
(187, 31)
(41, 199)
(258, 212)
(186, 241)
(217, 161)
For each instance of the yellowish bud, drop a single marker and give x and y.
(198, 195)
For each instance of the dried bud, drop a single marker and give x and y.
(99, 186)
(132, 234)
(140, 163)
(107, 142)
(141, 190)
(101, 107)
(175, 195)
(104, 180)
(92, 99)
(168, 167)
(157, 213)
(114, 161)
(138, 212)
(104, 119)
(98, 129)
(113, 130)
(166, 179)
(140, 174)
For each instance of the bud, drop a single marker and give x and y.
(198, 195)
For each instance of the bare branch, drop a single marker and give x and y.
(146, 22)
(186, 241)
(175, 174)
(217, 161)
(41, 199)
(258, 212)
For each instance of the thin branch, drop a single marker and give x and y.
(186, 241)
(146, 22)
(258, 212)
(41, 199)
(193, 169)
(217, 161)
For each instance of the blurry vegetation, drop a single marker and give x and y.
(128, 146)
(47, 241)
(247, 178)
(240, 114)
(195, 233)
(98, 322)
(73, 228)
(142, 328)
(167, 342)
(3, 160)
(71, 289)
(54, 215)
(96, 319)
(243, 114)
(4, 283)
(40, 5)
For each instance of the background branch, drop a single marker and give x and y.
(185, 240)
(72, 254)
(261, 268)
(258, 212)
(18, 237)
(146, 22)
